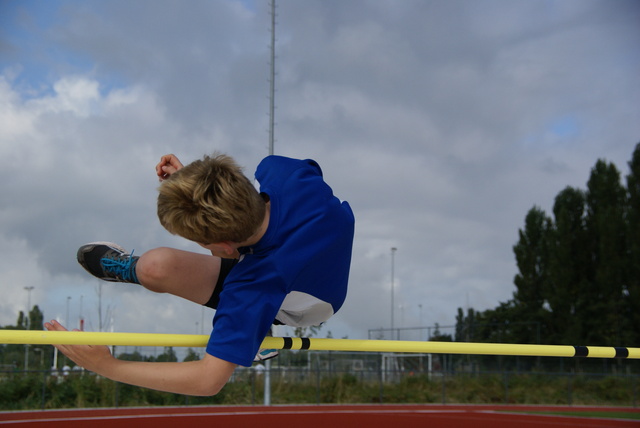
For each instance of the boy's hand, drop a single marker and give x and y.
(89, 357)
(168, 165)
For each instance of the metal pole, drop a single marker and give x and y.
(393, 252)
(28, 325)
(81, 316)
(272, 78)
(272, 86)
(67, 320)
(267, 383)
(28, 321)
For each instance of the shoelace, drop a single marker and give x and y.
(120, 266)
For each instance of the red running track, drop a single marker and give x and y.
(319, 416)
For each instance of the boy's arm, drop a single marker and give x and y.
(204, 377)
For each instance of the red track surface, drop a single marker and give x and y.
(321, 416)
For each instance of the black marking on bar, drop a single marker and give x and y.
(581, 351)
(306, 343)
(621, 352)
(288, 343)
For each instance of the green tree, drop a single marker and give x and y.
(465, 326)
(505, 324)
(438, 336)
(36, 318)
(191, 355)
(578, 277)
(168, 355)
(532, 285)
(132, 356)
(568, 267)
(604, 320)
(21, 324)
(14, 355)
(632, 291)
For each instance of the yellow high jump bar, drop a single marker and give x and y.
(37, 337)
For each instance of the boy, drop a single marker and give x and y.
(280, 255)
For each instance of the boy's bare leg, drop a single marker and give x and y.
(189, 275)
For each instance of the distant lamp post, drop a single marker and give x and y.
(27, 322)
(393, 253)
(67, 320)
(27, 325)
(39, 351)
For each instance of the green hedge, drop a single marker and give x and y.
(20, 391)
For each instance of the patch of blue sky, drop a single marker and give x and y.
(565, 126)
(32, 60)
(558, 131)
(249, 4)
(24, 59)
(24, 25)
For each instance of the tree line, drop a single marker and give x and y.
(17, 356)
(578, 280)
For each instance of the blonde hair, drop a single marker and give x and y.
(210, 201)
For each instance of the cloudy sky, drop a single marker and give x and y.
(441, 122)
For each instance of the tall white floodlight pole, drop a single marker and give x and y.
(393, 253)
(272, 78)
(272, 90)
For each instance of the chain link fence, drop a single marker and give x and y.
(308, 377)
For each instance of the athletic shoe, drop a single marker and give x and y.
(108, 261)
(265, 354)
